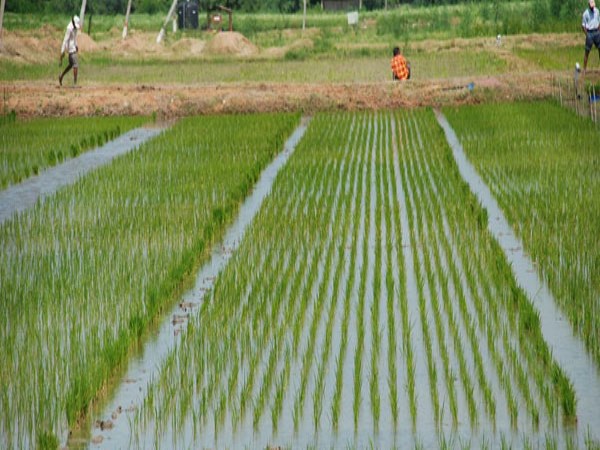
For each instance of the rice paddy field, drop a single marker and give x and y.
(28, 147)
(367, 305)
(383, 315)
(85, 272)
(543, 169)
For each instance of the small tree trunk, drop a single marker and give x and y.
(82, 13)
(126, 26)
(2, 3)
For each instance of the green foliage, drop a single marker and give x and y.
(9, 118)
(540, 14)
(29, 146)
(99, 259)
(47, 441)
(541, 165)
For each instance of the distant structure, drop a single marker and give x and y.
(214, 19)
(341, 5)
(187, 14)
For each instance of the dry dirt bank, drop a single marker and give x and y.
(45, 98)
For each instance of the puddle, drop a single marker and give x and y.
(130, 394)
(22, 196)
(568, 351)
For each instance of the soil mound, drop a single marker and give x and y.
(189, 46)
(24, 48)
(43, 46)
(86, 43)
(231, 43)
(137, 44)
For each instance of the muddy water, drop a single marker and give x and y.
(566, 348)
(132, 390)
(20, 197)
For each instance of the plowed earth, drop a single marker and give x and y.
(47, 98)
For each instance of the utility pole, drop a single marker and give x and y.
(161, 35)
(304, 17)
(2, 3)
(126, 19)
(82, 13)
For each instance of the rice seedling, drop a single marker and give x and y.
(28, 147)
(542, 173)
(318, 316)
(100, 259)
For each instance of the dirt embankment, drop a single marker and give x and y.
(170, 101)
(45, 98)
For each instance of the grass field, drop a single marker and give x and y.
(384, 311)
(543, 170)
(367, 305)
(99, 260)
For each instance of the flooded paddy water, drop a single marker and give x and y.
(25, 195)
(566, 347)
(132, 388)
(363, 298)
(366, 306)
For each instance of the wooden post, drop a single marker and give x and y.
(2, 3)
(304, 17)
(126, 26)
(161, 34)
(82, 12)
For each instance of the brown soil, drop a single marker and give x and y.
(45, 98)
(231, 43)
(42, 98)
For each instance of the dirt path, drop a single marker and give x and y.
(43, 98)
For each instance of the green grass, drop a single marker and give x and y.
(29, 147)
(559, 58)
(327, 202)
(84, 273)
(298, 67)
(541, 163)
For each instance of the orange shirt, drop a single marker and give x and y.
(400, 67)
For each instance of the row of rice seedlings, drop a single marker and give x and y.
(279, 321)
(363, 277)
(526, 382)
(526, 391)
(414, 221)
(541, 165)
(89, 299)
(317, 294)
(28, 147)
(392, 243)
(352, 231)
(385, 339)
(318, 311)
(538, 361)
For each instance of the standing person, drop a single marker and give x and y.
(590, 24)
(400, 66)
(69, 45)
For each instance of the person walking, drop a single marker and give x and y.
(400, 66)
(69, 46)
(590, 25)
